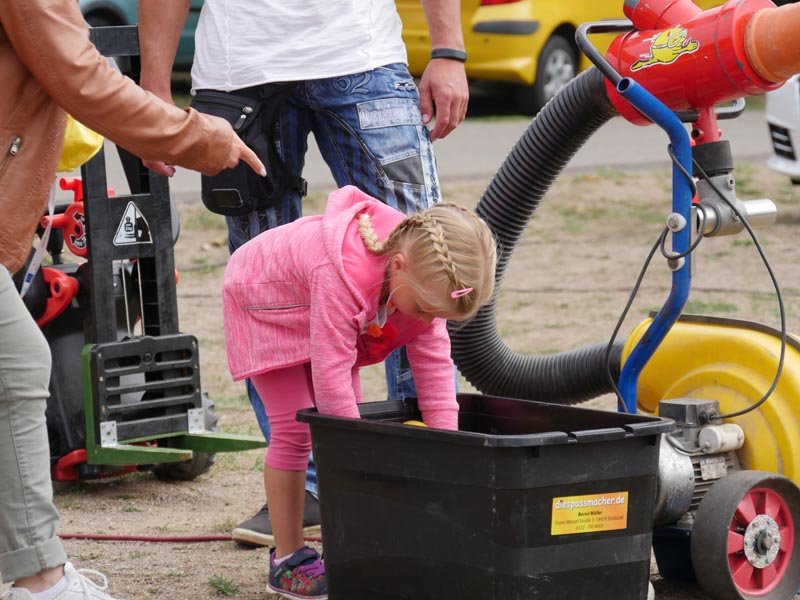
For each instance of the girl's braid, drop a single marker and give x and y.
(371, 240)
(429, 224)
(368, 234)
(424, 221)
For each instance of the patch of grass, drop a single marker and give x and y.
(549, 351)
(90, 557)
(746, 182)
(555, 325)
(203, 220)
(177, 574)
(520, 304)
(755, 102)
(131, 509)
(223, 586)
(314, 203)
(203, 270)
(70, 498)
(698, 306)
(241, 461)
(166, 529)
(233, 402)
(615, 175)
(225, 526)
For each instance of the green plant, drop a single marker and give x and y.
(223, 586)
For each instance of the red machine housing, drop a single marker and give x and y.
(689, 58)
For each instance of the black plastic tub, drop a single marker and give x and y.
(527, 500)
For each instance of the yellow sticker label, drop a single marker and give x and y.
(667, 47)
(590, 513)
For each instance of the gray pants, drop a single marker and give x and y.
(28, 518)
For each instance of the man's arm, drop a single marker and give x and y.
(160, 27)
(443, 87)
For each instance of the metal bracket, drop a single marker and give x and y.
(108, 434)
(196, 420)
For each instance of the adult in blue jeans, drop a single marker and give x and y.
(352, 90)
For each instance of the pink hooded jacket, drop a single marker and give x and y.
(304, 292)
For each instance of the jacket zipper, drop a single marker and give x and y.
(281, 307)
(246, 110)
(13, 150)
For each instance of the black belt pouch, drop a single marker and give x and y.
(253, 116)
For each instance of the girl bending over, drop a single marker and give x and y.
(308, 304)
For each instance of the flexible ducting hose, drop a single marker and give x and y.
(507, 205)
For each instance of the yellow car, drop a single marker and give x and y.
(530, 43)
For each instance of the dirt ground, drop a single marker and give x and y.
(566, 286)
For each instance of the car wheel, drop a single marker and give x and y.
(556, 67)
(98, 20)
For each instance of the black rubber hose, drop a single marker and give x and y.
(507, 205)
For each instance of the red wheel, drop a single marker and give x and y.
(760, 541)
(744, 544)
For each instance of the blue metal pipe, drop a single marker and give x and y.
(662, 116)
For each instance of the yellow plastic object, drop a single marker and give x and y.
(414, 423)
(733, 362)
(80, 144)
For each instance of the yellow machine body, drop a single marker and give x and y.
(733, 362)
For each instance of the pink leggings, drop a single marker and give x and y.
(284, 392)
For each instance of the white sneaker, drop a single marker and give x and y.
(79, 587)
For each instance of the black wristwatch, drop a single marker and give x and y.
(450, 53)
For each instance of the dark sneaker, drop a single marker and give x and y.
(257, 530)
(302, 575)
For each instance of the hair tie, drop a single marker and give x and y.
(459, 293)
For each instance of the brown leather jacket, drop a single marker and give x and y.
(48, 66)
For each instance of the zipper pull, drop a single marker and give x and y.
(246, 110)
(15, 144)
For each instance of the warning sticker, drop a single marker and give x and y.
(586, 514)
(133, 228)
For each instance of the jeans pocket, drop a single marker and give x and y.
(391, 128)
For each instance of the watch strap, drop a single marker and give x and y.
(450, 53)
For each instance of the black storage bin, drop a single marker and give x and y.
(526, 500)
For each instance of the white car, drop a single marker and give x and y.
(783, 119)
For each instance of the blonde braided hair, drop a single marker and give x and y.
(448, 249)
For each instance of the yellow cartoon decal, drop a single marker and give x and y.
(666, 47)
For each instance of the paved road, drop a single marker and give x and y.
(477, 148)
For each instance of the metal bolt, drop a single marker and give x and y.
(676, 263)
(676, 222)
(731, 182)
